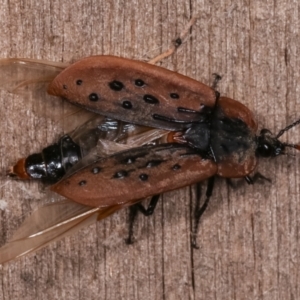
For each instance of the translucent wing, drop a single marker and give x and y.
(107, 147)
(30, 79)
(98, 137)
(17, 74)
(110, 136)
(134, 92)
(50, 223)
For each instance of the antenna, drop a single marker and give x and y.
(282, 131)
(295, 146)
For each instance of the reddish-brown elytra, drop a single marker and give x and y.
(132, 91)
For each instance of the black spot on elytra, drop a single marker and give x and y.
(121, 174)
(96, 170)
(82, 182)
(127, 104)
(65, 87)
(139, 82)
(150, 99)
(174, 96)
(79, 82)
(93, 97)
(153, 163)
(116, 85)
(176, 167)
(144, 177)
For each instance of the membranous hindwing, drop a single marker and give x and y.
(29, 78)
(132, 175)
(134, 91)
(21, 75)
(50, 223)
(98, 137)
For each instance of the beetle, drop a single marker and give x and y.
(207, 136)
(215, 131)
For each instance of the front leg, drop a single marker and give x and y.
(256, 177)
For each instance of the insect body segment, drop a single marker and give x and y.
(51, 164)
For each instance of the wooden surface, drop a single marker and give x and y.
(249, 237)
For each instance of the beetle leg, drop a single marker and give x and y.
(249, 179)
(151, 207)
(200, 210)
(133, 211)
(256, 177)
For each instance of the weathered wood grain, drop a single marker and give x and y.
(249, 237)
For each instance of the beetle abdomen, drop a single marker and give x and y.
(51, 164)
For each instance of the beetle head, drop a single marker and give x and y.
(268, 145)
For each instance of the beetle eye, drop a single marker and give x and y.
(265, 150)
